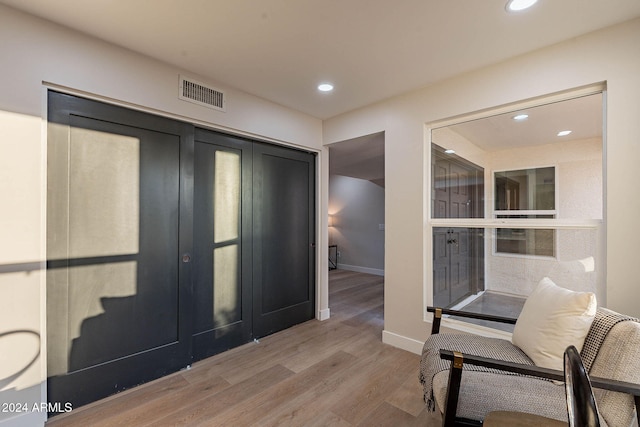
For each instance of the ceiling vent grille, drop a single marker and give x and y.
(198, 93)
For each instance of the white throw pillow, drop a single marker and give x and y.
(552, 319)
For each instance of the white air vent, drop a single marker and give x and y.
(198, 93)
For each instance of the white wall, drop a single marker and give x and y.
(33, 51)
(609, 55)
(357, 208)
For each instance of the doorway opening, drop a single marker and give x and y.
(356, 215)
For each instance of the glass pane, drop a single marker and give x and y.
(458, 264)
(226, 277)
(461, 272)
(217, 210)
(525, 189)
(104, 196)
(522, 241)
(104, 216)
(574, 266)
(226, 286)
(226, 196)
(525, 241)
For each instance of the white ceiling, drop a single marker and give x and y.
(582, 116)
(369, 49)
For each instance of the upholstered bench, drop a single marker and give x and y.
(464, 375)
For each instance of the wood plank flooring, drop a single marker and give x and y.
(331, 373)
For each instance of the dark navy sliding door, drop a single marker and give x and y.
(119, 221)
(283, 238)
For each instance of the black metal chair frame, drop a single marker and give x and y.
(581, 404)
(459, 359)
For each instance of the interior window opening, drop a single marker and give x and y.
(513, 202)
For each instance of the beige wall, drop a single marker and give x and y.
(33, 51)
(609, 55)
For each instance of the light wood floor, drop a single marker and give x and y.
(331, 373)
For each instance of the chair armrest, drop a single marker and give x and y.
(537, 371)
(503, 365)
(438, 312)
(458, 359)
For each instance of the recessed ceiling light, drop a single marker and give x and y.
(518, 5)
(520, 117)
(564, 132)
(325, 87)
(449, 151)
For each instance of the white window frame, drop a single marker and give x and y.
(494, 223)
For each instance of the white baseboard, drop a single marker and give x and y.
(323, 314)
(367, 270)
(408, 344)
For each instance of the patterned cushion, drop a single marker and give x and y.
(495, 348)
(611, 350)
(484, 392)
